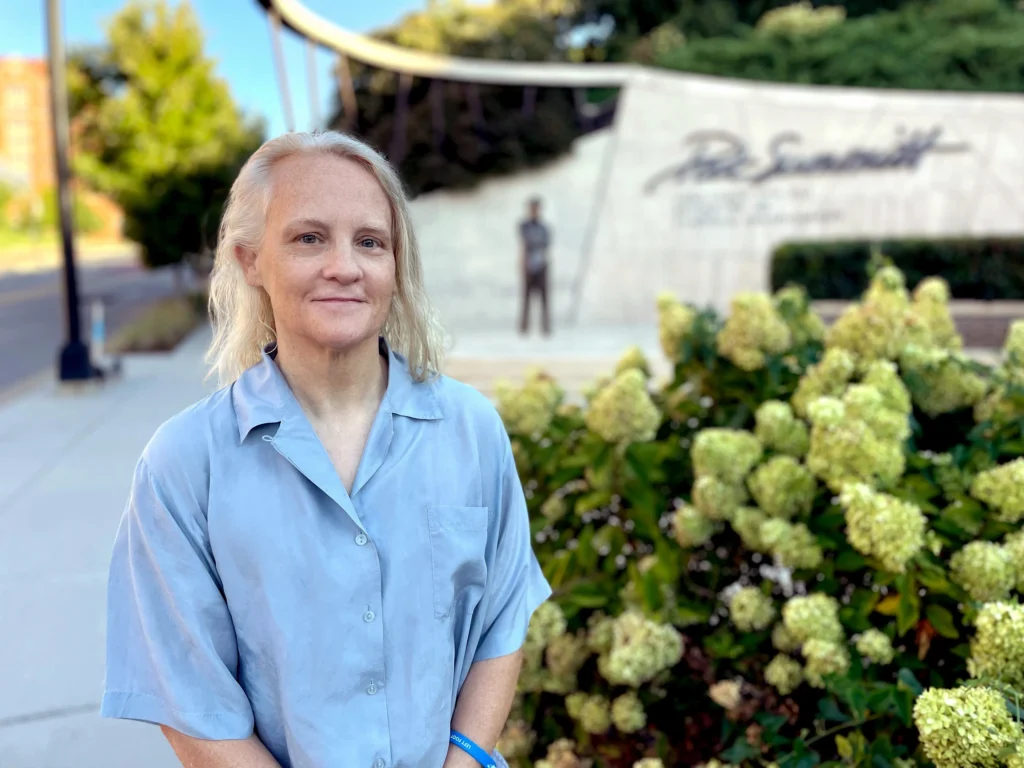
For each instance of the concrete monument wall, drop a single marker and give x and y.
(470, 247)
(708, 176)
(700, 178)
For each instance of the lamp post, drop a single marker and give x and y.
(74, 363)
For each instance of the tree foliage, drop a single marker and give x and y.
(156, 129)
(958, 45)
(498, 135)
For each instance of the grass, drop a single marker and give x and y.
(161, 326)
(16, 239)
(27, 252)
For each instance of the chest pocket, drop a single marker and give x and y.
(458, 539)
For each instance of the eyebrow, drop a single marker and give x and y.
(381, 232)
(302, 223)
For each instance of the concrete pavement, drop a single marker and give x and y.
(65, 464)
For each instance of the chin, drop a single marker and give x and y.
(345, 337)
(341, 332)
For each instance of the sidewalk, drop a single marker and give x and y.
(65, 465)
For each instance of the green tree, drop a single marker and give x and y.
(483, 134)
(157, 130)
(634, 21)
(953, 45)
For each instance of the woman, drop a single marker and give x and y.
(326, 563)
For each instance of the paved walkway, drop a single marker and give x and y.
(66, 462)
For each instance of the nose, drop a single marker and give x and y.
(342, 264)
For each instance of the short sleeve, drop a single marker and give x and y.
(172, 657)
(516, 583)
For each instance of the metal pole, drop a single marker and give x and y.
(398, 137)
(437, 106)
(347, 89)
(314, 91)
(74, 357)
(282, 73)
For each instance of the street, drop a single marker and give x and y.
(32, 327)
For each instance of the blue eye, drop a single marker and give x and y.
(369, 242)
(309, 239)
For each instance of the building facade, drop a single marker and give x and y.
(26, 147)
(26, 135)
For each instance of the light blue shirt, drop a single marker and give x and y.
(249, 589)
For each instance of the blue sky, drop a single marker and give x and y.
(236, 35)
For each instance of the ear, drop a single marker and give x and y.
(247, 259)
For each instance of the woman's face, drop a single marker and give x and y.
(327, 260)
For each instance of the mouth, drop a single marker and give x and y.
(335, 300)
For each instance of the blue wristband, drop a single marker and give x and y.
(473, 749)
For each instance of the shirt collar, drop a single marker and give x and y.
(262, 396)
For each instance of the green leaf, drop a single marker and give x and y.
(586, 555)
(801, 756)
(850, 561)
(587, 595)
(907, 678)
(739, 751)
(722, 645)
(902, 706)
(557, 567)
(651, 586)
(829, 710)
(770, 723)
(909, 611)
(1013, 709)
(863, 602)
(963, 650)
(591, 501)
(917, 489)
(966, 516)
(942, 620)
(843, 747)
(830, 521)
(889, 606)
(668, 563)
(934, 579)
(644, 510)
(689, 614)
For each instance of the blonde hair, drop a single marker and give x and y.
(243, 320)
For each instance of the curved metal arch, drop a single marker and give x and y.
(395, 58)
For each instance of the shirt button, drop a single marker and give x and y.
(378, 763)
(369, 616)
(361, 539)
(371, 688)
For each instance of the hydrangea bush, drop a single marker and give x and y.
(803, 548)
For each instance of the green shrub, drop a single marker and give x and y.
(974, 269)
(799, 550)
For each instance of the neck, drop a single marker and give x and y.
(328, 382)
